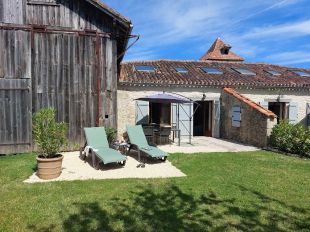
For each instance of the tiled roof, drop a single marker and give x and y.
(250, 103)
(123, 37)
(216, 52)
(111, 11)
(166, 75)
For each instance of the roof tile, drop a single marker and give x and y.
(166, 74)
(250, 103)
(217, 52)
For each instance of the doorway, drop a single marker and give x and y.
(160, 113)
(280, 109)
(203, 118)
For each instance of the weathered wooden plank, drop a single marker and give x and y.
(13, 84)
(113, 97)
(2, 115)
(1, 12)
(12, 11)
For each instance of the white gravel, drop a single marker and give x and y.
(76, 169)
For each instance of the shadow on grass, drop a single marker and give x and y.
(35, 228)
(151, 209)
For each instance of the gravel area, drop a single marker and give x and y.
(76, 169)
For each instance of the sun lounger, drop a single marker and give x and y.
(98, 145)
(138, 140)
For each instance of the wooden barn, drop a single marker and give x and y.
(63, 54)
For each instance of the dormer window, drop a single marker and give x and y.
(181, 70)
(244, 71)
(301, 73)
(273, 72)
(225, 49)
(144, 68)
(210, 70)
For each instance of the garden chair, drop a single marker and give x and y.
(139, 142)
(98, 145)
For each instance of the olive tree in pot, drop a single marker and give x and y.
(49, 137)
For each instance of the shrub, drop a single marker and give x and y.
(49, 135)
(111, 134)
(281, 136)
(291, 138)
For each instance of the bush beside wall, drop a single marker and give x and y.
(291, 138)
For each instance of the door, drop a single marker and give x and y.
(208, 119)
(186, 120)
(15, 113)
(217, 118)
(15, 92)
(203, 119)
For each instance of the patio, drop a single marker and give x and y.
(206, 144)
(73, 168)
(76, 169)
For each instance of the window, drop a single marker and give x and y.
(160, 113)
(273, 72)
(144, 68)
(301, 73)
(236, 116)
(280, 109)
(244, 71)
(212, 70)
(181, 70)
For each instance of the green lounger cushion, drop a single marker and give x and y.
(137, 137)
(96, 138)
(108, 155)
(154, 152)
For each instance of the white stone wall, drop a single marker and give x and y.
(127, 96)
(300, 97)
(127, 106)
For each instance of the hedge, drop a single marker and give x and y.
(291, 138)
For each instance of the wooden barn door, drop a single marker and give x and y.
(68, 72)
(15, 116)
(15, 92)
(64, 79)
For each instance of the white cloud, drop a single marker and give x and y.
(286, 30)
(170, 24)
(290, 58)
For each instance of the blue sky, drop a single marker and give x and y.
(270, 31)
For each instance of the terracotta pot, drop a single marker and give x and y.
(49, 168)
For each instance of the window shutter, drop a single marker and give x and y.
(142, 112)
(217, 118)
(264, 104)
(236, 116)
(174, 109)
(308, 114)
(293, 112)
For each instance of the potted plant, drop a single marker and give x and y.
(49, 137)
(111, 135)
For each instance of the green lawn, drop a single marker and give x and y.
(250, 191)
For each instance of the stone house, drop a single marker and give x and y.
(263, 93)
